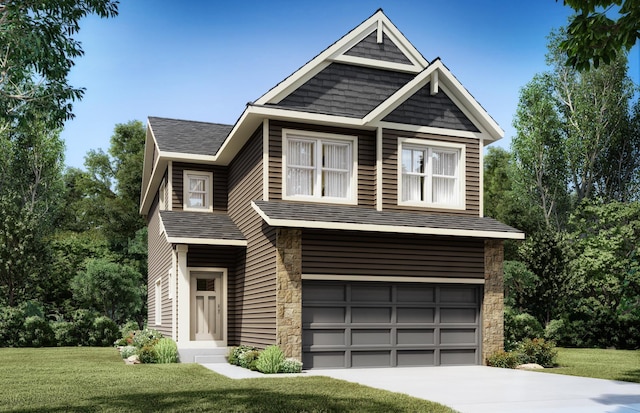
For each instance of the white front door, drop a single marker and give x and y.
(206, 306)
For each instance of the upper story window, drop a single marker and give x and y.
(319, 167)
(198, 191)
(431, 174)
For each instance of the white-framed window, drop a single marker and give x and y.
(158, 302)
(198, 191)
(431, 173)
(319, 167)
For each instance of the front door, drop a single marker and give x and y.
(206, 306)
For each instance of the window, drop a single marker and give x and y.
(431, 174)
(158, 303)
(197, 191)
(162, 195)
(319, 167)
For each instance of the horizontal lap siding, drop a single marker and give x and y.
(390, 172)
(159, 262)
(366, 158)
(219, 184)
(252, 307)
(376, 254)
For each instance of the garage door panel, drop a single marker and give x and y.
(370, 337)
(415, 315)
(409, 358)
(323, 315)
(324, 292)
(370, 358)
(324, 337)
(415, 337)
(461, 294)
(420, 294)
(458, 336)
(458, 357)
(458, 315)
(367, 293)
(324, 360)
(370, 315)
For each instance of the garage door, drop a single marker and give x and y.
(359, 324)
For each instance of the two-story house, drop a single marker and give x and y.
(340, 217)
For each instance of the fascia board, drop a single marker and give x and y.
(429, 130)
(156, 177)
(146, 162)
(384, 228)
(207, 241)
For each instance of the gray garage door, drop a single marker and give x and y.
(359, 324)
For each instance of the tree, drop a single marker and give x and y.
(594, 37)
(37, 51)
(113, 289)
(538, 150)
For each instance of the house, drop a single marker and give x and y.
(340, 217)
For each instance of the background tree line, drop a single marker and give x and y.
(571, 181)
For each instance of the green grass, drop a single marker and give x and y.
(97, 380)
(621, 365)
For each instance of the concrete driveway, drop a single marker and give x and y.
(479, 389)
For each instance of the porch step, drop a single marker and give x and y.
(203, 355)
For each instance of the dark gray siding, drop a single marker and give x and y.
(437, 110)
(253, 304)
(366, 159)
(219, 184)
(159, 263)
(390, 172)
(377, 254)
(371, 49)
(346, 90)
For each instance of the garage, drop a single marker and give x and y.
(378, 324)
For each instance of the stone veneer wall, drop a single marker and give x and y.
(493, 299)
(289, 292)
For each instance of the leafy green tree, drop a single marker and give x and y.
(595, 37)
(38, 50)
(115, 290)
(539, 152)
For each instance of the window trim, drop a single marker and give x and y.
(352, 140)
(208, 194)
(461, 171)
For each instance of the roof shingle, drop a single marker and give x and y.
(200, 225)
(186, 136)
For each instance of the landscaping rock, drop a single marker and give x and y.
(132, 359)
(529, 366)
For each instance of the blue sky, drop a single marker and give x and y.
(204, 60)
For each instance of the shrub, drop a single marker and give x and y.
(104, 332)
(270, 360)
(291, 366)
(504, 359)
(166, 351)
(147, 354)
(37, 333)
(235, 352)
(146, 337)
(128, 351)
(538, 351)
(249, 359)
(519, 326)
(129, 328)
(11, 326)
(554, 330)
(64, 333)
(83, 325)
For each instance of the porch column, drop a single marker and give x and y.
(183, 292)
(493, 299)
(289, 292)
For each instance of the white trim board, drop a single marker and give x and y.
(383, 278)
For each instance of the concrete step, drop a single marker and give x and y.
(203, 355)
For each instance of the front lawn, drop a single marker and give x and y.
(96, 379)
(621, 365)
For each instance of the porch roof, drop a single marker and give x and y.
(356, 218)
(208, 228)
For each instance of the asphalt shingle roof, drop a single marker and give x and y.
(344, 214)
(200, 225)
(186, 136)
